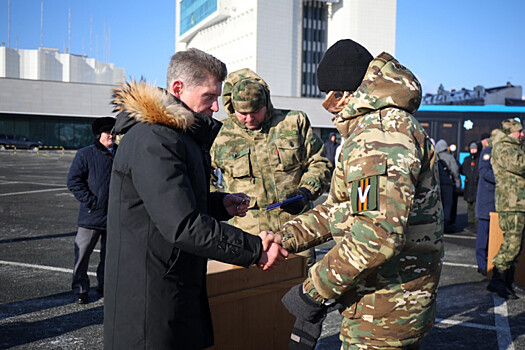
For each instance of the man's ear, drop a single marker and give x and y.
(176, 88)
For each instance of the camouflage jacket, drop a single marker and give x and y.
(269, 163)
(384, 212)
(508, 163)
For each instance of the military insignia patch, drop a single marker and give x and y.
(486, 156)
(364, 194)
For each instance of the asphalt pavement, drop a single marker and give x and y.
(37, 231)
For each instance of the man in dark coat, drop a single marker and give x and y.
(163, 223)
(484, 205)
(449, 182)
(88, 179)
(470, 168)
(330, 147)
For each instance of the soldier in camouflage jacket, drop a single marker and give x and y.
(508, 163)
(383, 210)
(271, 159)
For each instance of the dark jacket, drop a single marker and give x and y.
(470, 168)
(330, 148)
(161, 225)
(88, 179)
(486, 186)
(450, 161)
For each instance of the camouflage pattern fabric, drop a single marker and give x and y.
(512, 225)
(268, 163)
(508, 163)
(248, 96)
(384, 212)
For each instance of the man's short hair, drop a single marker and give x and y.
(193, 67)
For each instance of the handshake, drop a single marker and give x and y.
(272, 253)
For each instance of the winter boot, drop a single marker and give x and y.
(509, 281)
(497, 284)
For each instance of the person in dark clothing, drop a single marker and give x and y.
(88, 179)
(450, 182)
(470, 168)
(484, 205)
(163, 222)
(330, 147)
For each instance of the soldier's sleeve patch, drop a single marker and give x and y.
(362, 175)
(364, 194)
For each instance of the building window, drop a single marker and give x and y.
(314, 44)
(193, 12)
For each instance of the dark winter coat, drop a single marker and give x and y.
(470, 168)
(450, 161)
(330, 148)
(161, 225)
(88, 179)
(486, 186)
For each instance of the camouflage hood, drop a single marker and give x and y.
(387, 84)
(496, 136)
(232, 79)
(138, 101)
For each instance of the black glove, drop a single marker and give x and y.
(297, 206)
(301, 305)
(305, 334)
(310, 316)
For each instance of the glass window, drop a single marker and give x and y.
(314, 42)
(193, 12)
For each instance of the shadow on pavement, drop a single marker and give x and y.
(22, 332)
(35, 238)
(24, 307)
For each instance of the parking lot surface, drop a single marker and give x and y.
(38, 225)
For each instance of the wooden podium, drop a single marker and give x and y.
(246, 306)
(495, 240)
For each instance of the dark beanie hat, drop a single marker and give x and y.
(102, 124)
(343, 66)
(484, 136)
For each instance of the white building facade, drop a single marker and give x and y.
(51, 65)
(54, 97)
(284, 40)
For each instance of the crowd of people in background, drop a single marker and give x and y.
(494, 182)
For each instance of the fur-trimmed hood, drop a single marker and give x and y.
(146, 103)
(139, 102)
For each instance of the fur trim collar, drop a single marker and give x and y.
(149, 104)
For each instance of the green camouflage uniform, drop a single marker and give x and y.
(268, 163)
(384, 212)
(508, 162)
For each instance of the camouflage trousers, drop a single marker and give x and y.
(346, 346)
(512, 225)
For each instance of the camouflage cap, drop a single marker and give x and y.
(248, 96)
(510, 125)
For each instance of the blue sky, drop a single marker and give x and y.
(454, 43)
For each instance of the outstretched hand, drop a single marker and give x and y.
(273, 254)
(236, 204)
